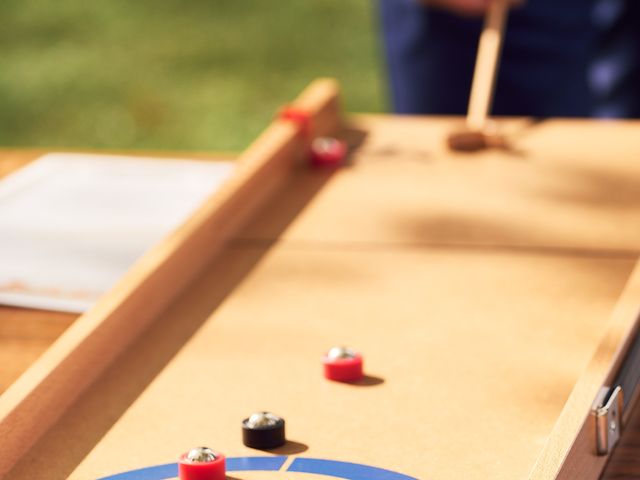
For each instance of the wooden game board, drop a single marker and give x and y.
(492, 296)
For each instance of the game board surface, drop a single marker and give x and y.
(477, 287)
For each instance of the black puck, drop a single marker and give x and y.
(264, 431)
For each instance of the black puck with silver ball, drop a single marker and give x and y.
(264, 431)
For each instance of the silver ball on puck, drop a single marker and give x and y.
(328, 151)
(341, 353)
(264, 431)
(263, 419)
(201, 455)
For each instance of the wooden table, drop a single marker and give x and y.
(26, 334)
(407, 253)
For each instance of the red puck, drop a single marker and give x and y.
(202, 463)
(343, 364)
(327, 151)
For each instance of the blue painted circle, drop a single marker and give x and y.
(329, 468)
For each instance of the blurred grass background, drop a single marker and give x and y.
(172, 74)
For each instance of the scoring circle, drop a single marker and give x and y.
(329, 468)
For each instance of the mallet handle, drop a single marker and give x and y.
(484, 77)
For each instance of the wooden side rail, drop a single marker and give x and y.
(42, 394)
(570, 452)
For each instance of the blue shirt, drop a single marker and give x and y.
(561, 58)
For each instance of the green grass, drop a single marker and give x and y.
(172, 74)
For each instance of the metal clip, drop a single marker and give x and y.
(607, 413)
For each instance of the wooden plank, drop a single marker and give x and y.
(573, 185)
(479, 348)
(32, 404)
(438, 395)
(570, 450)
(259, 349)
(343, 267)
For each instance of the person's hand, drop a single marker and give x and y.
(465, 7)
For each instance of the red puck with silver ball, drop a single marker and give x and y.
(328, 151)
(202, 463)
(343, 364)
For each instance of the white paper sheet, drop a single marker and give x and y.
(72, 224)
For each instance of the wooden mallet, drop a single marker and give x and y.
(477, 134)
